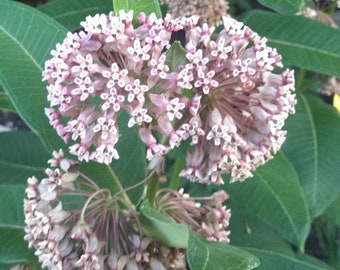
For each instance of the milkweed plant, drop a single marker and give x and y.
(170, 135)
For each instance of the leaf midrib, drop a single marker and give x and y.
(315, 152)
(206, 258)
(16, 41)
(21, 166)
(309, 49)
(7, 226)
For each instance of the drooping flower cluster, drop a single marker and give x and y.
(73, 224)
(224, 97)
(209, 11)
(209, 220)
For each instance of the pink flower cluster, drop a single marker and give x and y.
(225, 97)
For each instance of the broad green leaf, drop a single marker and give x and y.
(70, 13)
(205, 255)
(11, 201)
(26, 38)
(313, 261)
(5, 102)
(175, 56)
(138, 6)
(120, 5)
(275, 260)
(22, 155)
(247, 230)
(14, 249)
(201, 254)
(332, 213)
(301, 41)
(274, 195)
(146, 6)
(283, 6)
(162, 227)
(313, 148)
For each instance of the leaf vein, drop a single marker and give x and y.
(283, 207)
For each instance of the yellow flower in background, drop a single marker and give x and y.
(336, 102)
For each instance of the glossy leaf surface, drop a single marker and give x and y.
(163, 228)
(275, 198)
(332, 212)
(70, 13)
(22, 155)
(250, 233)
(5, 102)
(175, 56)
(248, 230)
(275, 260)
(138, 6)
(13, 248)
(313, 46)
(313, 148)
(205, 255)
(26, 38)
(283, 6)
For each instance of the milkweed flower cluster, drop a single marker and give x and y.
(224, 96)
(73, 224)
(209, 11)
(209, 219)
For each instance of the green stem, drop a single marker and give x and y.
(119, 185)
(152, 188)
(175, 179)
(332, 8)
(82, 215)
